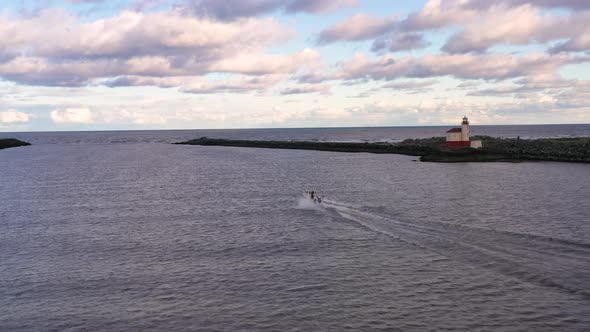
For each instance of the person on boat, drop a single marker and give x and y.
(312, 195)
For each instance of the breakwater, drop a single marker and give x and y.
(6, 143)
(435, 149)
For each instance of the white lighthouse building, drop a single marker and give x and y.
(461, 137)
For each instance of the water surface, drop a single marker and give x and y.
(144, 235)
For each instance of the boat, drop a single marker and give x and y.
(314, 196)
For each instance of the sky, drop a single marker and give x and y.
(206, 64)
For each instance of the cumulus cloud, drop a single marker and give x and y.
(569, 4)
(400, 42)
(131, 80)
(486, 23)
(235, 84)
(468, 85)
(14, 116)
(579, 43)
(264, 64)
(465, 66)
(56, 34)
(231, 9)
(72, 115)
(439, 13)
(319, 6)
(520, 25)
(58, 49)
(482, 24)
(358, 27)
(240, 84)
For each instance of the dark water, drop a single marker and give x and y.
(146, 236)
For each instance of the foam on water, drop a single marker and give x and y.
(552, 263)
(304, 203)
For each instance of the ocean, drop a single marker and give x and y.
(122, 231)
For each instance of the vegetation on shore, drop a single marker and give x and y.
(6, 143)
(435, 148)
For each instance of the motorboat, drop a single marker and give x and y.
(314, 196)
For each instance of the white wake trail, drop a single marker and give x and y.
(553, 263)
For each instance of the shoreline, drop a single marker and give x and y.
(435, 150)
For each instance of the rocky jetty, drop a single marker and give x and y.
(435, 148)
(6, 143)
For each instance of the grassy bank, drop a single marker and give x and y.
(435, 149)
(6, 143)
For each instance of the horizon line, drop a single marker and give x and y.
(282, 128)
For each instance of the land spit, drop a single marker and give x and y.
(6, 143)
(435, 148)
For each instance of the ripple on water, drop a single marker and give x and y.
(156, 237)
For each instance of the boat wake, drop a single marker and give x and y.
(304, 203)
(556, 263)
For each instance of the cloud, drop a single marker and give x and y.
(439, 13)
(14, 116)
(56, 34)
(264, 64)
(482, 25)
(568, 4)
(579, 43)
(142, 118)
(57, 49)
(500, 91)
(302, 89)
(358, 27)
(517, 26)
(540, 109)
(411, 86)
(400, 42)
(235, 85)
(319, 6)
(72, 115)
(330, 113)
(131, 80)
(533, 87)
(232, 9)
(468, 85)
(463, 66)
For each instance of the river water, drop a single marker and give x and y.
(120, 231)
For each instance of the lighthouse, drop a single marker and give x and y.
(461, 137)
(465, 134)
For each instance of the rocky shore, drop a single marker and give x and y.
(434, 149)
(6, 143)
